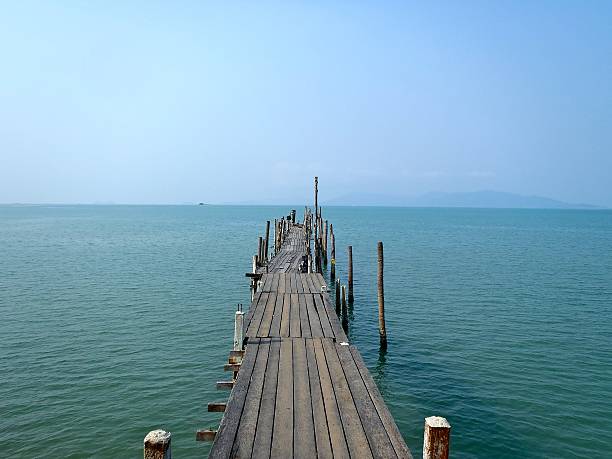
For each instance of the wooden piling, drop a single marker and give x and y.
(344, 310)
(325, 244)
(333, 252)
(351, 298)
(275, 236)
(267, 240)
(260, 257)
(157, 445)
(381, 298)
(338, 305)
(316, 203)
(436, 438)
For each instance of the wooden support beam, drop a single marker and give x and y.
(205, 435)
(231, 367)
(217, 407)
(225, 385)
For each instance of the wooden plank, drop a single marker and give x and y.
(216, 407)
(275, 282)
(281, 283)
(265, 422)
(284, 325)
(318, 408)
(291, 278)
(334, 423)
(276, 318)
(282, 436)
(311, 285)
(257, 315)
(305, 283)
(321, 280)
(333, 318)
(294, 317)
(303, 429)
(304, 319)
(355, 435)
(266, 320)
(395, 436)
(376, 433)
(224, 439)
(243, 444)
(267, 282)
(251, 311)
(299, 288)
(313, 318)
(326, 326)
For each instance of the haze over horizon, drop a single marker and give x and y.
(173, 103)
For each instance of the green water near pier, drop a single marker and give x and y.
(117, 320)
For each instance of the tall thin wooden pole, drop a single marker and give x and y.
(316, 197)
(351, 298)
(275, 236)
(381, 298)
(325, 245)
(338, 305)
(344, 308)
(436, 438)
(333, 252)
(267, 240)
(260, 251)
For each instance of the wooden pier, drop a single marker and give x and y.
(301, 389)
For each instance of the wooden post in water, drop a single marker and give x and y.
(325, 245)
(275, 236)
(157, 445)
(344, 308)
(267, 240)
(351, 298)
(333, 252)
(381, 298)
(338, 305)
(436, 438)
(260, 258)
(316, 196)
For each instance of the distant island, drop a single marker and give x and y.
(477, 199)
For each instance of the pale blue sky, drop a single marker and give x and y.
(170, 102)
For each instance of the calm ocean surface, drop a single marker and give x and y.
(117, 320)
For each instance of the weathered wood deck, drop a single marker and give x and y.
(302, 389)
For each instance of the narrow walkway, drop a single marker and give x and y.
(302, 391)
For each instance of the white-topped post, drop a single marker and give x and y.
(436, 438)
(238, 330)
(157, 445)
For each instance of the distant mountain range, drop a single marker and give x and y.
(483, 199)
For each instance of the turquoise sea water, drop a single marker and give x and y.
(118, 319)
